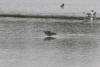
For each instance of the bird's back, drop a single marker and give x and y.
(49, 33)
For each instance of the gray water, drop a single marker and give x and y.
(23, 43)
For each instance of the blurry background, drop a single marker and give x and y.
(49, 7)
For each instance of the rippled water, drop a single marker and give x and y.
(23, 43)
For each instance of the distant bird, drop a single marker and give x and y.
(62, 6)
(49, 33)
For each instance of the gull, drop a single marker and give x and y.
(49, 33)
(62, 6)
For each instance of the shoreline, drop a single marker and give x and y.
(44, 16)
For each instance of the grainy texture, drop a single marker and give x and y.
(23, 43)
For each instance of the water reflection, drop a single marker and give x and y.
(49, 38)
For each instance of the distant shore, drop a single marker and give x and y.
(44, 16)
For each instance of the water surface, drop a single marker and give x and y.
(23, 43)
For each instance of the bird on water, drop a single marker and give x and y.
(49, 33)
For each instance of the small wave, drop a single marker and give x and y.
(61, 36)
(69, 35)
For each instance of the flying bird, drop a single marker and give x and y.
(62, 6)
